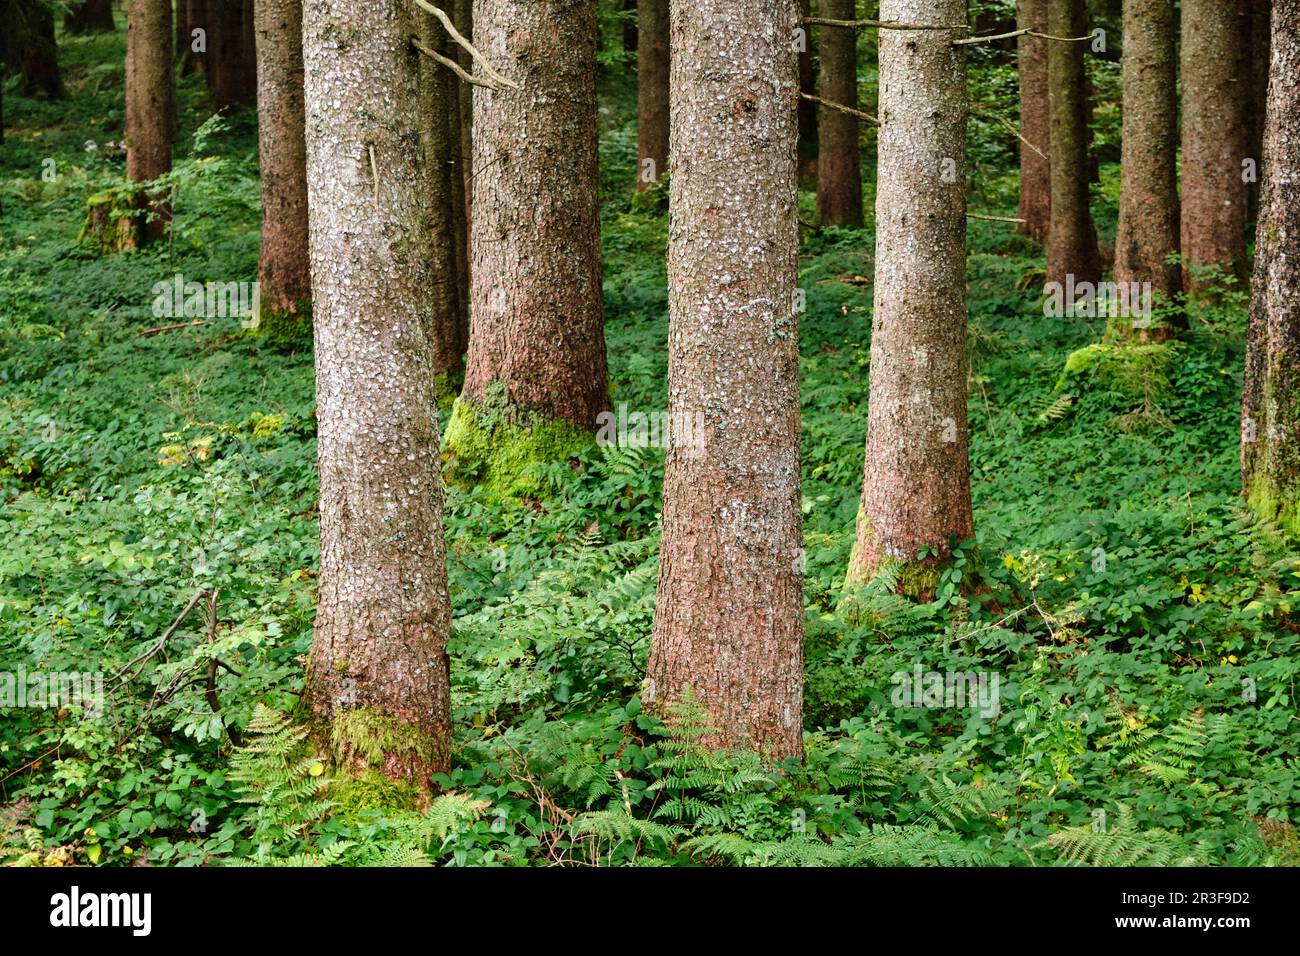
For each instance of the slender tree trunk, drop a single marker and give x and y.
(1071, 235)
(1254, 17)
(284, 267)
(1148, 206)
(248, 49)
(1215, 94)
(807, 108)
(464, 19)
(729, 615)
(916, 485)
(92, 16)
(839, 174)
(440, 106)
(192, 15)
(150, 108)
(536, 363)
(652, 91)
(379, 670)
(1270, 434)
(1035, 166)
(227, 72)
(32, 52)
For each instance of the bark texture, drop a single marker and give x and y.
(379, 669)
(1148, 207)
(538, 320)
(839, 173)
(440, 107)
(1270, 433)
(729, 614)
(1035, 160)
(1215, 138)
(150, 108)
(916, 483)
(1071, 235)
(284, 265)
(91, 16)
(464, 19)
(651, 90)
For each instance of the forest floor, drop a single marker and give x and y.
(1135, 625)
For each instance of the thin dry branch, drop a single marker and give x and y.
(1011, 126)
(840, 107)
(454, 66)
(976, 215)
(478, 57)
(1026, 31)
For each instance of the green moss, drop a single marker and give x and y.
(372, 790)
(1279, 506)
(1137, 370)
(368, 736)
(287, 330)
(483, 446)
(446, 386)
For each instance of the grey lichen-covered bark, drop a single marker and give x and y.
(729, 614)
(150, 109)
(916, 486)
(1035, 149)
(378, 672)
(1148, 207)
(536, 357)
(1215, 138)
(1071, 235)
(652, 90)
(284, 265)
(839, 174)
(1270, 428)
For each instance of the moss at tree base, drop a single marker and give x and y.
(363, 739)
(1275, 505)
(287, 330)
(485, 448)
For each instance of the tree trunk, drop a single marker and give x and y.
(916, 485)
(1215, 94)
(839, 175)
(32, 53)
(192, 15)
(228, 77)
(379, 670)
(150, 108)
(807, 108)
(536, 367)
(1254, 16)
(1148, 206)
(440, 107)
(464, 20)
(1270, 434)
(92, 16)
(1035, 167)
(630, 38)
(284, 266)
(1071, 236)
(652, 91)
(729, 614)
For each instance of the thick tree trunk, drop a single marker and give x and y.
(1035, 166)
(227, 73)
(1270, 433)
(150, 108)
(536, 360)
(379, 670)
(1215, 139)
(284, 266)
(92, 16)
(729, 615)
(440, 106)
(652, 91)
(1071, 235)
(32, 53)
(839, 173)
(1148, 206)
(916, 485)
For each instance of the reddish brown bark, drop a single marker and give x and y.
(839, 173)
(652, 91)
(1035, 165)
(150, 108)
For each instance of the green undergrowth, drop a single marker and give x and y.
(1140, 623)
